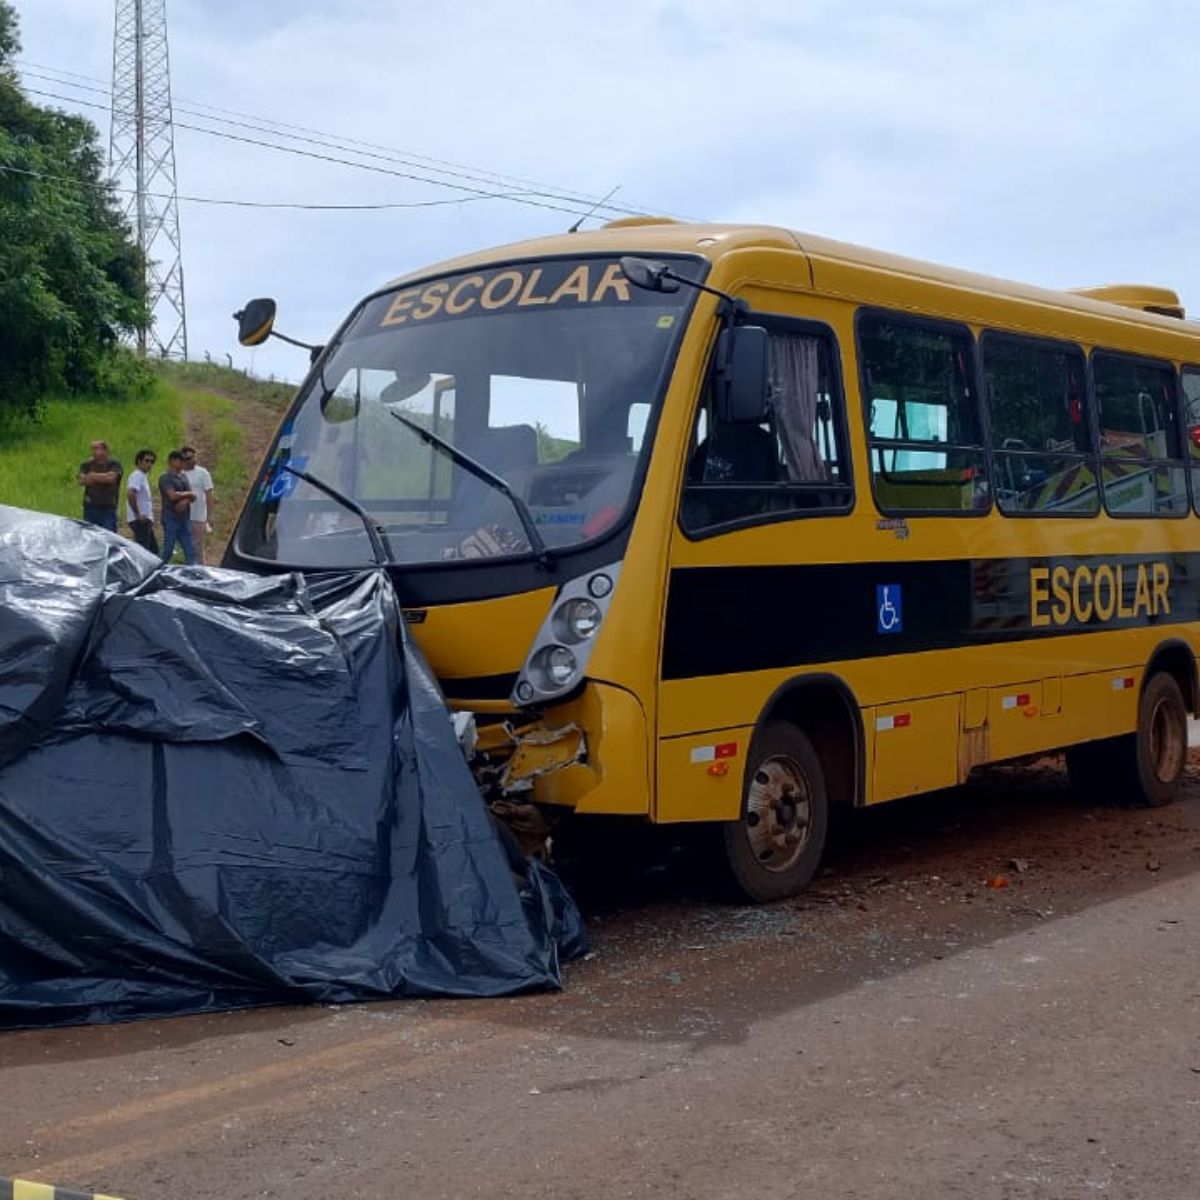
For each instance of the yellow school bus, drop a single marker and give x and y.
(732, 524)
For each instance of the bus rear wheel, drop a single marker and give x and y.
(1150, 762)
(774, 850)
(1143, 768)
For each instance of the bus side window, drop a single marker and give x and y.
(792, 462)
(1191, 416)
(1141, 451)
(1041, 436)
(923, 429)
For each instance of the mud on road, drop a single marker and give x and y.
(651, 1072)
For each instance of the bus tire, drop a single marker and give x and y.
(774, 850)
(1150, 762)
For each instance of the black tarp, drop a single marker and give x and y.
(220, 789)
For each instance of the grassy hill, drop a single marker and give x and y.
(228, 415)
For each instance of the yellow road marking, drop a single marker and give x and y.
(365, 1067)
(28, 1189)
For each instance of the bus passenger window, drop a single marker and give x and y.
(1141, 452)
(1041, 436)
(923, 428)
(1191, 413)
(791, 463)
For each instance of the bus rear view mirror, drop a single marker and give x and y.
(255, 321)
(740, 374)
(405, 385)
(648, 275)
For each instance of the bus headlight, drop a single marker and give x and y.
(558, 657)
(577, 620)
(556, 666)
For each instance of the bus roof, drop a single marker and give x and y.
(1157, 306)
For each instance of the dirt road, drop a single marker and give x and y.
(990, 993)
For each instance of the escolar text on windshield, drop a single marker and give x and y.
(529, 286)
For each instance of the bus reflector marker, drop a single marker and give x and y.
(1020, 700)
(703, 754)
(1123, 683)
(895, 721)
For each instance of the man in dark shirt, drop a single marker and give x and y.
(100, 478)
(177, 499)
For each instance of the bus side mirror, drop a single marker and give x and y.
(740, 374)
(255, 321)
(648, 275)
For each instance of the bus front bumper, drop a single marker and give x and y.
(590, 754)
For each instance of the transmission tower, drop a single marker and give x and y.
(141, 157)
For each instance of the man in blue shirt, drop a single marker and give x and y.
(177, 500)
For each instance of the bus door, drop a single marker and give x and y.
(735, 624)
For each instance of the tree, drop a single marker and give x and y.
(10, 41)
(70, 275)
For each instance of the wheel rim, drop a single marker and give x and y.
(778, 813)
(1168, 743)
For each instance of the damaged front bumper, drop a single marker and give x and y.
(524, 754)
(591, 754)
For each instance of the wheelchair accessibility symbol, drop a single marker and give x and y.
(888, 607)
(284, 484)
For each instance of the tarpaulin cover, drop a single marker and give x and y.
(219, 790)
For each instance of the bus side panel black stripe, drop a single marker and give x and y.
(722, 620)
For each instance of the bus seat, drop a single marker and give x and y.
(509, 451)
(742, 453)
(505, 448)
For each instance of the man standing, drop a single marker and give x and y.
(139, 503)
(100, 478)
(177, 500)
(200, 482)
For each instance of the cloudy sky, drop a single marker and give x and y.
(1054, 143)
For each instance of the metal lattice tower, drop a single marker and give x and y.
(141, 158)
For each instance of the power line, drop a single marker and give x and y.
(421, 164)
(574, 208)
(10, 170)
(332, 141)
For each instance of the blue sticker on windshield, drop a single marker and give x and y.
(284, 483)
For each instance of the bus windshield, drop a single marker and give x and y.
(545, 373)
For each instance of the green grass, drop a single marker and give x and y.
(39, 460)
(213, 378)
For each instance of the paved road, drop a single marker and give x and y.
(987, 996)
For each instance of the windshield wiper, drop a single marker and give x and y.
(489, 477)
(376, 534)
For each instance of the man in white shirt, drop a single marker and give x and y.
(201, 483)
(139, 502)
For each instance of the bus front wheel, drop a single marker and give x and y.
(774, 850)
